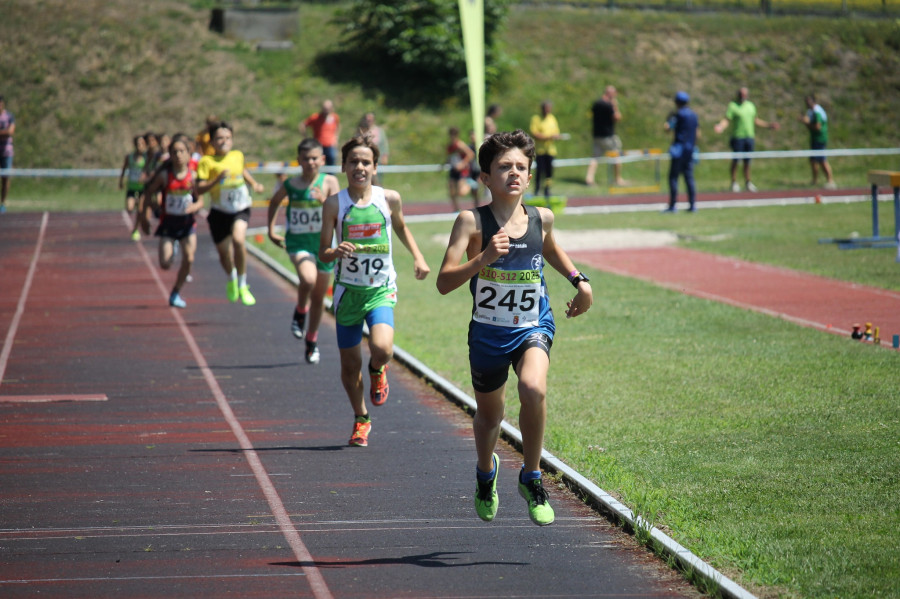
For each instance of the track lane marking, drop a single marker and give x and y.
(50, 398)
(316, 580)
(23, 297)
(126, 578)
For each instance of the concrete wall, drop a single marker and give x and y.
(256, 24)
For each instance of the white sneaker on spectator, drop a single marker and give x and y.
(735, 187)
(751, 187)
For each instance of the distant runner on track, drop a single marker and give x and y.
(306, 193)
(223, 176)
(180, 204)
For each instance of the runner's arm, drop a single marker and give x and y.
(560, 261)
(257, 187)
(453, 274)
(197, 205)
(274, 205)
(403, 233)
(205, 185)
(122, 174)
(329, 222)
(331, 186)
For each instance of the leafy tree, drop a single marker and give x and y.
(419, 41)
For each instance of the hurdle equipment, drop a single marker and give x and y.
(616, 190)
(877, 179)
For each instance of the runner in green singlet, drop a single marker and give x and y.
(305, 194)
(364, 217)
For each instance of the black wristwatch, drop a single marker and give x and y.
(579, 278)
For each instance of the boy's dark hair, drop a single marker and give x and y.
(502, 141)
(219, 125)
(308, 144)
(360, 141)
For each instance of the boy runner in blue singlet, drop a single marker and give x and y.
(364, 217)
(505, 245)
(305, 194)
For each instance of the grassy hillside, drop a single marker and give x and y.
(83, 77)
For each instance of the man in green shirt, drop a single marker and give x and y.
(742, 118)
(816, 120)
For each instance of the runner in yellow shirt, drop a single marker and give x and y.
(224, 177)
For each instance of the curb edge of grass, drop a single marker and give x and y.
(690, 563)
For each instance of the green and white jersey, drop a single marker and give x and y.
(368, 227)
(304, 215)
(135, 170)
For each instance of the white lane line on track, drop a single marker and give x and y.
(23, 297)
(125, 578)
(316, 580)
(50, 398)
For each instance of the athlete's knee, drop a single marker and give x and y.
(307, 280)
(351, 363)
(490, 410)
(381, 353)
(532, 389)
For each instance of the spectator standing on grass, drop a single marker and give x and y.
(685, 127)
(368, 127)
(499, 250)
(604, 116)
(742, 119)
(325, 126)
(816, 120)
(460, 158)
(490, 120)
(545, 131)
(7, 130)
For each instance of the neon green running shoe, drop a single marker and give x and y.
(232, 290)
(246, 297)
(486, 499)
(539, 509)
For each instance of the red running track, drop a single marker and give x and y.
(805, 299)
(152, 452)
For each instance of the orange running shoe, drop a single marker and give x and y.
(378, 392)
(361, 429)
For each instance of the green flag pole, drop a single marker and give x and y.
(471, 15)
